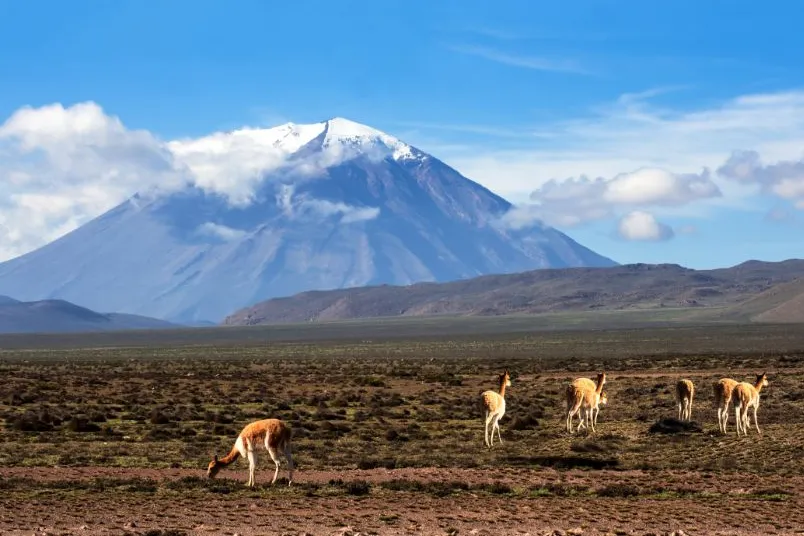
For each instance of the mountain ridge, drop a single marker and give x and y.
(60, 316)
(630, 286)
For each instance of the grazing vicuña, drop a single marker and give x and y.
(273, 434)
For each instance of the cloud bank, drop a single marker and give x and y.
(61, 166)
(784, 179)
(575, 201)
(631, 133)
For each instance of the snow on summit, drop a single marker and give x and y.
(232, 163)
(345, 132)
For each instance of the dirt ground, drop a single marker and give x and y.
(730, 511)
(388, 437)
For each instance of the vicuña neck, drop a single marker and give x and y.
(233, 455)
(502, 388)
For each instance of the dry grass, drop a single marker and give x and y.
(148, 419)
(391, 404)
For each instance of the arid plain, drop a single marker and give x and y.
(105, 435)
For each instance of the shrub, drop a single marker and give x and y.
(81, 424)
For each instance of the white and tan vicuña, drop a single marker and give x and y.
(600, 400)
(747, 396)
(494, 404)
(584, 397)
(273, 434)
(723, 390)
(685, 392)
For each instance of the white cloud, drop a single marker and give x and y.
(526, 62)
(633, 133)
(575, 201)
(643, 226)
(235, 163)
(650, 186)
(349, 213)
(220, 231)
(784, 179)
(60, 167)
(230, 163)
(304, 206)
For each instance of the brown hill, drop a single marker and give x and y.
(634, 286)
(779, 304)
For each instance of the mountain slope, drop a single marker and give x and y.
(780, 303)
(348, 206)
(573, 289)
(56, 316)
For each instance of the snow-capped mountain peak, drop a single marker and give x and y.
(344, 132)
(275, 211)
(336, 133)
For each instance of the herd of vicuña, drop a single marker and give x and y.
(583, 398)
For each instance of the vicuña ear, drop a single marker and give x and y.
(215, 458)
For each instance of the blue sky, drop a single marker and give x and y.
(512, 94)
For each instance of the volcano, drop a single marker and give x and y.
(339, 205)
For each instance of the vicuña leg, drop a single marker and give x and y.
(576, 408)
(489, 418)
(289, 458)
(275, 457)
(756, 423)
(724, 417)
(590, 422)
(496, 427)
(252, 466)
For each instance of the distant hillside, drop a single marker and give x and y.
(59, 316)
(634, 286)
(780, 303)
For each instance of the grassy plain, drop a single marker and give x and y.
(385, 424)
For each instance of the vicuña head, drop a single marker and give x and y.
(761, 380)
(505, 377)
(214, 467)
(601, 379)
